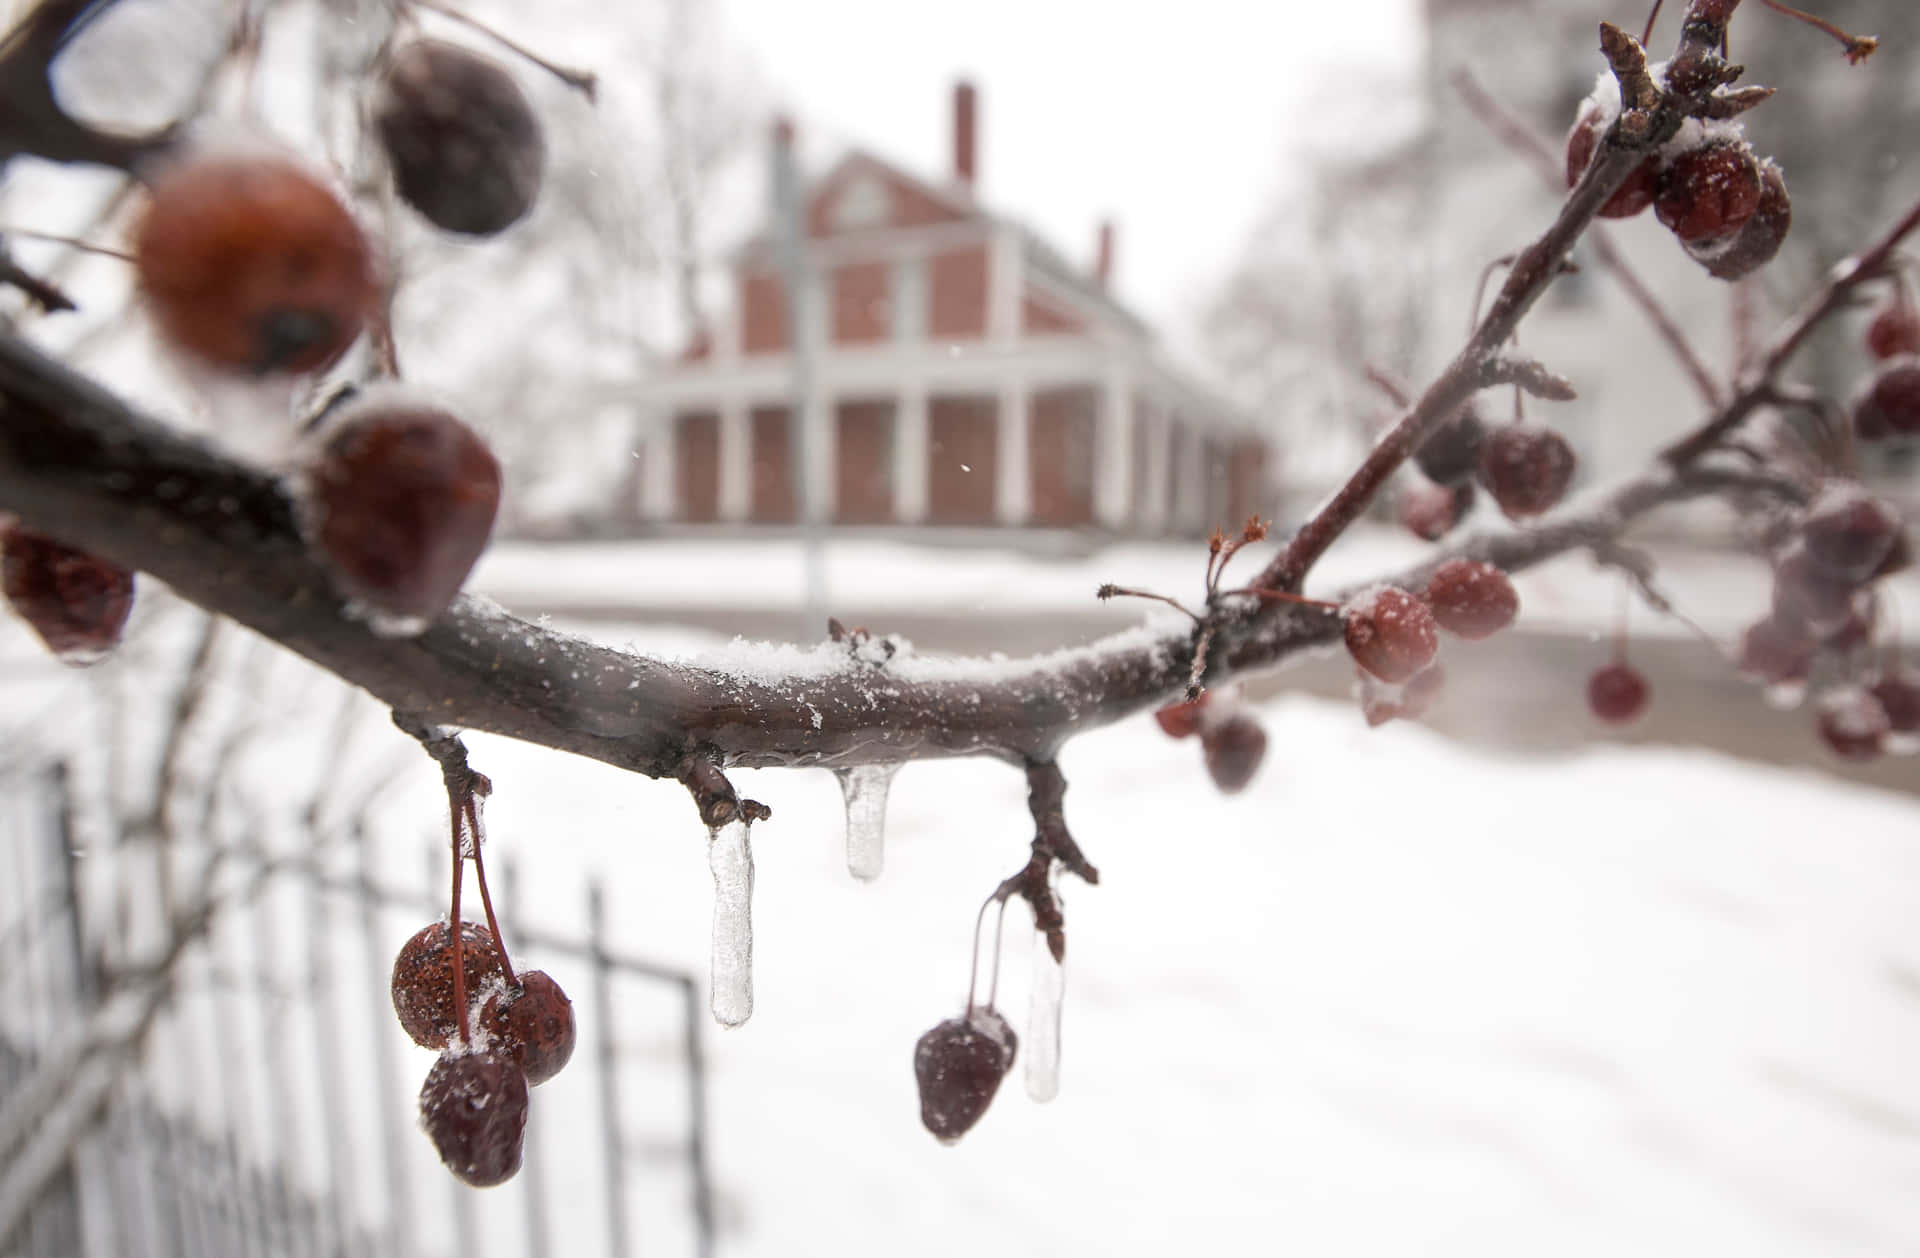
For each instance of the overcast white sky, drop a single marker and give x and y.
(1174, 118)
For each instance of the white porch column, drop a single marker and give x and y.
(654, 439)
(1113, 449)
(1004, 281)
(1159, 468)
(1013, 490)
(823, 453)
(910, 438)
(736, 461)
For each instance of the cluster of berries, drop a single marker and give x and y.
(1525, 468)
(1728, 208)
(1231, 741)
(1889, 405)
(513, 1031)
(1393, 635)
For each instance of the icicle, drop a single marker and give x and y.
(864, 787)
(1046, 991)
(730, 856)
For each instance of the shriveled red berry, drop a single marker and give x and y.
(1526, 468)
(1233, 749)
(534, 1024)
(1182, 719)
(1899, 696)
(463, 142)
(423, 980)
(1849, 531)
(1431, 511)
(958, 1066)
(1759, 239)
(1617, 693)
(1895, 330)
(1708, 192)
(252, 264)
(398, 502)
(474, 1108)
(1451, 452)
(1633, 196)
(1852, 723)
(1890, 405)
(1390, 633)
(1777, 650)
(77, 603)
(1472, 599)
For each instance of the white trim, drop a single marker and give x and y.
(659, 479)
(1154, 510)
(823, 449)
(910, 454)
(1005, 272)
(1113, 447)
(736, 461)
(1013, 484)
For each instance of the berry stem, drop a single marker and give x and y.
(1120, 591)
(581, 81)
(453, 925)
(71, 242)
(999, 897)
(1858, 47)
(1285, 596)
(472, 809)
(1646, 34)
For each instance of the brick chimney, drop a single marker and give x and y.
(965, 133)
(1103, 255)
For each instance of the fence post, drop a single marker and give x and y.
(400, 1229)
(610, 1113)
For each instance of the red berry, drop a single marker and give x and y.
(1473, 600)
(1431, 511)
(959, 1065)
(1899, 696)
(1617, 693)
(1709, 192)
(1758, 240)
(474, 1108)
(1182, 719)
(1526, 468)
(1890, 406)
(1233, 749)
(1451, 451)
(1895, 331)
(1856, 629)
(1852, 723)
(1849, 532)
(1633, 196)
(1806, 593)
(423, 980)
(252, 264)
(1777, 650)
(464, 145)
(1391, 634)
(76, 603)
(533, 1024)
(398, 502)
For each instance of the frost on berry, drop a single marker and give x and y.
(1852, 723)
(423, 980)
(251, 264)
(398, 500)
(1709, 192)
(1890, 405)
(958, 1066)
(1633, 196)
(78, 604)
(1617, 693)
(1430, 511)
(1848, 531)
(1390, 633)
(1895, 330)
(474, 1109)
(1451, 452)
(1526, 468)
(1758, 240)
(1233, 748)
(463, 142)
(533, 1025)
(1182, 719)
(1473, 600)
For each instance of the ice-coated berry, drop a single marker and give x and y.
(1899, 696)
(1759, 239)
(1890, 405)
(1233, 749)
(1451, 452)
(1709, 192)
(534, 1025)
(398, 502)
(958, 1066)
(252, 264)
(1526, 468)
(77, 603)
(474, 1108)
(1633, 196)
(1182, 719)
(1849, 531)
(463, 142)
(1430, 511)
(1471, 599)
(1852, 723)
(1617, 693)
(423, 980)
(1390, 633)
(1777, 650)
(1895, 330)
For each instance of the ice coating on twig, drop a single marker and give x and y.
(1048, 989)
(864, 787)
(730, 856)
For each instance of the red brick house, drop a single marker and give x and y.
(961, 374)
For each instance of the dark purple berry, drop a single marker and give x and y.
(423, 980)
(534, 1025)
(1759, 238)
(474, 1108)
(1233, 748)
(1526, 468)
(959, 1065)
(76, 603)
(1709, 192)
(1890, 406)
(464, 145)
